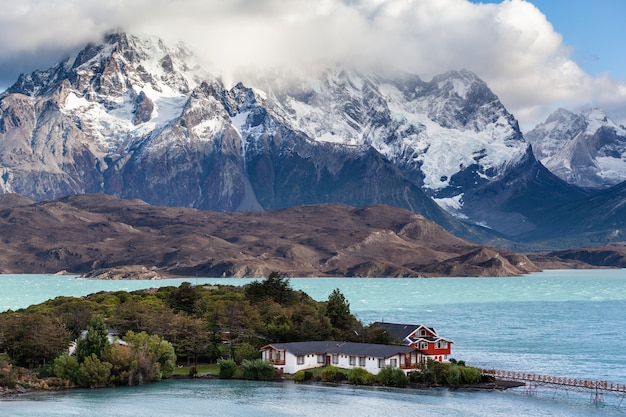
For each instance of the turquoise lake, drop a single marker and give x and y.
(566, 323)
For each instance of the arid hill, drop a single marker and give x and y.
(106, 237)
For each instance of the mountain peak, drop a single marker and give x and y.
(586, 149)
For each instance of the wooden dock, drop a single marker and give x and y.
(597, 389)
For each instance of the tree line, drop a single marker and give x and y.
(161, 327)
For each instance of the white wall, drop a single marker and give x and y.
(343, 361)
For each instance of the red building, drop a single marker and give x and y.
(425, 339)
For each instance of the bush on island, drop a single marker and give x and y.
(360, 376)
(329, 374)
(257, 369)
(392, 377)
(227, 368)
(299, 376)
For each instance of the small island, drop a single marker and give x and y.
(132, 338)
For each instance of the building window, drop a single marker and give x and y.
(335, 358)
(393, 363)
(352, 360)
(442, 344)
(362, 361)
(423, 345)
(381, 363)
(321, 358)
(300, 359)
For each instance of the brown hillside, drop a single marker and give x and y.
(113, 238)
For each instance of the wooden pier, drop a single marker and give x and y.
(597, 389)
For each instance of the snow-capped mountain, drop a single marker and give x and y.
(586, 149)
(451, 136)
(134, 117)
(60, 128)
(436, 132)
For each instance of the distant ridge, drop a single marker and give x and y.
(111, 238)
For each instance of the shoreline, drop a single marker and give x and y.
(496, 385)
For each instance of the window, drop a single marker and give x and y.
(352, 360)
(335, 358)
(321, 358)
(423, 345)
(393, 363)
(362, 361)
(300, 359)
(442, 344)
(381, 363)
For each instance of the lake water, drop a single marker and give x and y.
(566, 323)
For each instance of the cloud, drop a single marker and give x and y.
(510, 45)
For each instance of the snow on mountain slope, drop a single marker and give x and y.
(136, 118)
(125, 87)
(433, 130)
(586, 149)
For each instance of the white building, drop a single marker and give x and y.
(293, 357)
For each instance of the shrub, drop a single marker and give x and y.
(392, 377)
(360, 376)
(299, 376)
(329, 374)
(227, 368)
(94, 373)
(257, 369)
(66, 367)
(245, 351)
(453, 375)
(470, 375)
(302, 376)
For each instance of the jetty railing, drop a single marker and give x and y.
(557, 380)
(596, 388)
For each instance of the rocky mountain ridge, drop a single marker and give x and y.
(135, 118)
(586, 149)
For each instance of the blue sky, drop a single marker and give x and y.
(536, 55)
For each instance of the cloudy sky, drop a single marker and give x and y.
(535, 55)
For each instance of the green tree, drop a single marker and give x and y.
(392, 377)
(121, 360)
(246, 351)
(66, 367)
(32, 339)
(280, 328)
(338, 310)
(153, 358)
(94, 341)
(94, 373)
(76, 313)
(190, 338)
(187, 298)
(360, 376)
(228, 367)
(274, 287)
(258, 370)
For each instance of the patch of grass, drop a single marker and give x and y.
(212, 369)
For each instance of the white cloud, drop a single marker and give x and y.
(510, 45)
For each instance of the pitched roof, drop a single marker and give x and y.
(344, 348)
(401, 331)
